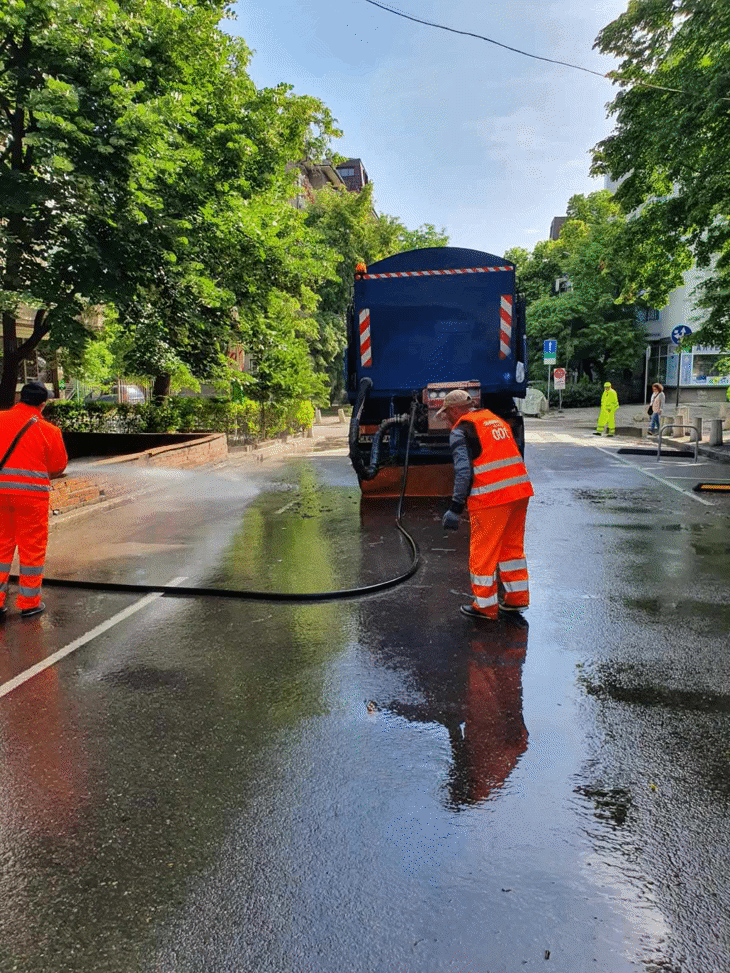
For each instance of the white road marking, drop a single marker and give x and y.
(23, 677)
(286, 507)
(660, 479)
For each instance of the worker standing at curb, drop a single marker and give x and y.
(491, 479)
(609, 405)
(33, 454)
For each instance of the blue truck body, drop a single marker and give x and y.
(423, 322)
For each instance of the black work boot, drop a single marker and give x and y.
(30, 612)
(471, 612)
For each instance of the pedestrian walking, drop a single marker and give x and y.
(607, 416)
(490, 478)
(655, 407)
(33, 454)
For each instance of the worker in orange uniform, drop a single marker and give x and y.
(490, 478)
(33, 454)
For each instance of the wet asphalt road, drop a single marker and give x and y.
(375, 785)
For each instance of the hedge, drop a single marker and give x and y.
(249, 421)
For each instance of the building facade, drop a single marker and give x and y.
(353, 174)
(696, 369)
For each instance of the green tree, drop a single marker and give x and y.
(140, 167)
(671, 144)
(85, 112)
(243, 243)
(606, 277)
(537, 271)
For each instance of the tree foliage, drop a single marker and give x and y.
(142, 170)
(607, 281)
(671, 144)
(140, 167)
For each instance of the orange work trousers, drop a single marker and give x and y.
(25, 526)
(497, 556)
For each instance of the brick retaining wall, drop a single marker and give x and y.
(95, 484)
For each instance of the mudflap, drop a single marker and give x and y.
(432, 480)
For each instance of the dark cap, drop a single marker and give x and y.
(34, 394)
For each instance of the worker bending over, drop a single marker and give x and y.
(491, 478)
(609, 405)
(32, 453)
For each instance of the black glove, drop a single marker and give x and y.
(451, 520)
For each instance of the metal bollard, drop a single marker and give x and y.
(715, 432)
(697, 423)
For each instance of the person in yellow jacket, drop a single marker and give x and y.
(609, 405)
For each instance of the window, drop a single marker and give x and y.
(705, 368)
(346, 172)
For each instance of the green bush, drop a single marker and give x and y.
(245, 420)
(80, 416)
(581, 395)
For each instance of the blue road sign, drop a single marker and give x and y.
(550, 351)
(681, 331)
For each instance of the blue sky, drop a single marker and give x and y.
(452, 130)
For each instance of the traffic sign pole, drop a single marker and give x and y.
(548, 388)
(549, 358)
(559, 375)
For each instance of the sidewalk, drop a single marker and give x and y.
(627, 427)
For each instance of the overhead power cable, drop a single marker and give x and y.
(536, 57)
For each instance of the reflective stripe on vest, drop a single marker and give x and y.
(499, 485)
(25, 487)
(31, 474)
(497, 464)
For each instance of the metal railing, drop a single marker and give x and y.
(675, 426)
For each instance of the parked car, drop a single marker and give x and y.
(132, 394)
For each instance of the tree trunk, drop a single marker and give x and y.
(9, 381)
(11, 362)
(161, 388)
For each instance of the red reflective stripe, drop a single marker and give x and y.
(436, 273)
(366, 355)
(505, 314)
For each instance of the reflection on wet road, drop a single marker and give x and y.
(375, 784)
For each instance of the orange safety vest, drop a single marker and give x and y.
(500, 476)
(40, 454)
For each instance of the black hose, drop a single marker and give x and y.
(354, 435)
(168, 591)
(369, 472)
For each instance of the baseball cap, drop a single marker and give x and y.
(607, 385)
(454, 397)
(33, 393)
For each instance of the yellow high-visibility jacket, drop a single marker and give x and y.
(609, 401)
